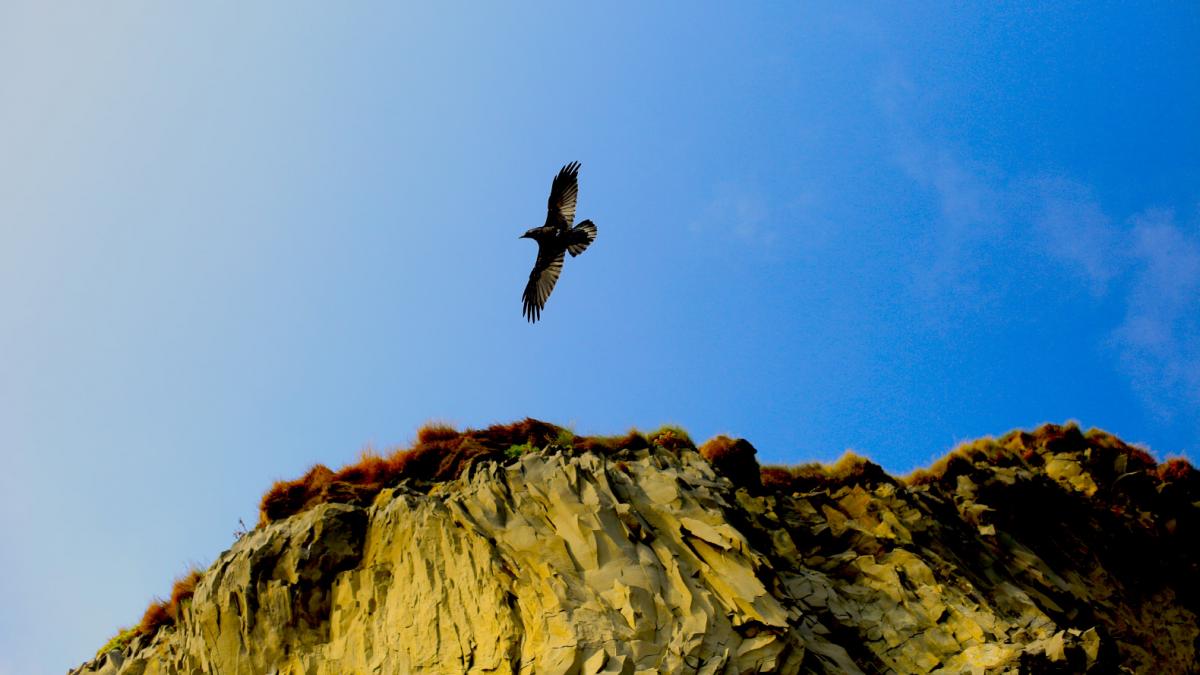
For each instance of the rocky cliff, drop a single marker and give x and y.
(1051, 551)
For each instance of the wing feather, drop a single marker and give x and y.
(541, 283)
(563, 193)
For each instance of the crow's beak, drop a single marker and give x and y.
(524, 236)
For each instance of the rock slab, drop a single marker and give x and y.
(568, 562)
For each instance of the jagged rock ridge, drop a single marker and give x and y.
(1046, 552)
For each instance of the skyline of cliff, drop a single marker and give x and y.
(525, 546)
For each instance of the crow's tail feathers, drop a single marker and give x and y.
(582, 236)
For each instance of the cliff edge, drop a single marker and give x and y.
(1049, 551)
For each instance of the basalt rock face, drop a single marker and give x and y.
(1044, 552)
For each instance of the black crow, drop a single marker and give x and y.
(554, 239)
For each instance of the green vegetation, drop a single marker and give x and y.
(118, 641)
(515, 451)
(671, 437)
(161, 612)
(441, 453)
(1105, 455)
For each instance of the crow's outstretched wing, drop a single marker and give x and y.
(563, 193)
(582, 236)
(541, 282)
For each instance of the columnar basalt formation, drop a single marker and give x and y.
(1051, 551)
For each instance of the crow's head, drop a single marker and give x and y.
(531, 234)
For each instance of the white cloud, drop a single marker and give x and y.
(1158, 343)
(970, 199)
(994, 229)
(1070, 226)
(738, 212)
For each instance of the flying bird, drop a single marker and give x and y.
(556, 238)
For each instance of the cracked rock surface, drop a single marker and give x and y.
(563, 561)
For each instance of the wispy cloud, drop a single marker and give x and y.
(987, 220)
(1069, 225)
(970, 223)
(741, 213)
(970, 198)
(737, 212)
(1158, 343)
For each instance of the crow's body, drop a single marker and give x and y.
(555, 239)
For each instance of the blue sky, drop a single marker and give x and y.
(241, 239)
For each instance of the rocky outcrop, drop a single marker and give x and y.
(1029, 554)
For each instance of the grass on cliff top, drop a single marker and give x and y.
(1108, 459)
(441, 453)
(118, 641)
(735, 458)
(166, 612)
(1102, 454)
(849, 469)
(159, 613)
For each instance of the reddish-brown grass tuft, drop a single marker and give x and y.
(436, 431)
(634, 440)
(1105, 456)
(717, 448)
(286, 498)
(534, 432)
(1065, 438)
(439, 454)
(850, 469)
(921, 477)
(734, 459)
(671, 438)
(371, 469)
(960, 461)
(1021, 448)
(1176, 469)
(157, 615)
(596, 444)
(161, 612)
(607, 445)
(1180, 481)
(182, 590)
(775, 478)
(1140, 456)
